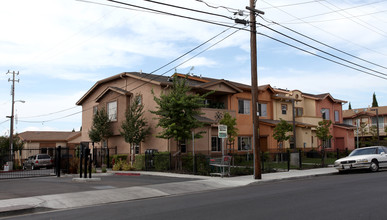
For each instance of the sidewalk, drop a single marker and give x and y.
(122, 192)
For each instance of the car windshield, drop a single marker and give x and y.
(364, 151)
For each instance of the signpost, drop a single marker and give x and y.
(222, 133)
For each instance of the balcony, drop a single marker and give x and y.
(216, 114)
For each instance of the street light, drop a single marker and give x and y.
(377, 122)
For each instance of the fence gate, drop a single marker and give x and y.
(33, 163)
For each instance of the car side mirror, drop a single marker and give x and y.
(382, 153)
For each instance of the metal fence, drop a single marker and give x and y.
(20, 167)
(239, 164)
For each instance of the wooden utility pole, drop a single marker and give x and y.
(13, 80)
(254, 89)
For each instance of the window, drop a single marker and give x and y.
(299, 112)
(262, 109)
(348, 121)
(244, 106)
(136, 148)
(325, 113)
(95, 109)
(337, 118)
(284, 108)
(327, 143)
(183, 146)
(112, 111)
(380, 119)
(216, 143)
(244, 143)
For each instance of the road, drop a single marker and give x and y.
(350, 196)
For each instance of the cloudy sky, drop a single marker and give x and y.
(62, 47)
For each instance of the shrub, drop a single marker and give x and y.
(139, 163)
(162, 161)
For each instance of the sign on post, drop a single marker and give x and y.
(222, 131)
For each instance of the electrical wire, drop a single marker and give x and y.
(232, 10)
(310, 38)
(189, 9)
(51, 113)
(317, 27)
(325, 58)
(330, 54)
(289, 5)
(168, 13)
(45, 121)
(356, 22)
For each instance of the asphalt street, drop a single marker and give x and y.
(359, 195)
(26, 187)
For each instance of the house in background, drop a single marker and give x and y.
(367, 117)
(306, 110)
(45, 142)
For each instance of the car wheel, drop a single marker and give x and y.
(374, 166)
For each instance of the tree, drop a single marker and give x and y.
(323, 133)
(134, 128)
(232, 130)
(281, 130)
(5, 145)
(363, 131)
(374, 132)
(101, 128)
(374, 101)
(349, 106)
(177, 112)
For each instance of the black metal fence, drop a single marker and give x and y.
(23, 165)
(241, 164)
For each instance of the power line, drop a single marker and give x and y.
(51, 113)
(323, 43)
(317, 27)
(172, 14)
(189, 9)
(232, 10)
(332, 11)
(342, 64)
(337, 19)
(294, 4)
(330, 54)
(365, 26)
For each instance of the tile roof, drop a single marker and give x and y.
(353, 113)
(48, 135)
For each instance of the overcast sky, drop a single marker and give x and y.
(62, 47)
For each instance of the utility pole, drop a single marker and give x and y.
(254, 89)
(13, 80)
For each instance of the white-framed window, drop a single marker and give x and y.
(262, 109)
(244, 143)
(325, 113)
(183, 146)
(284, 108)
(112, 110)
(136, 148)
(244, 106)
(216, 144)
(337, 116)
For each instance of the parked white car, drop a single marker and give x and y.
(371, 158)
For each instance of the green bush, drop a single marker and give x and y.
(139, 163)
(187, 163)
(161, 161)
(239, 171)
(202, 165)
